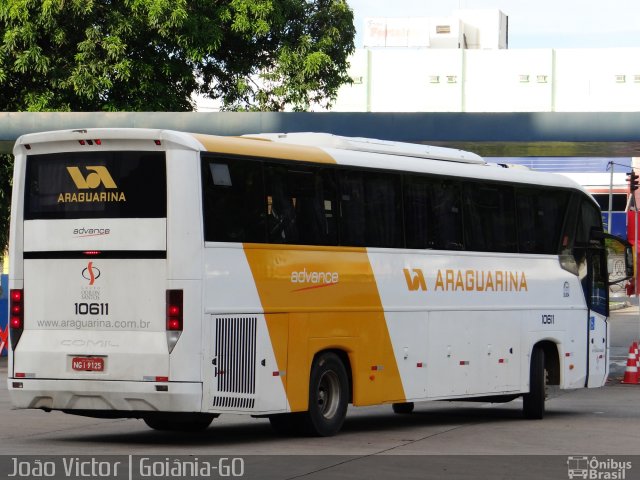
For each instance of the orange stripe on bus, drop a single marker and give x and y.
(303, 321)
(263, 148)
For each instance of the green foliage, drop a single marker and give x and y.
(6, 173)
(152, 55)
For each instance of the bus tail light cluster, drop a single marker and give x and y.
(174, 310)
(175, 318)
(90, 141)
(16, 317)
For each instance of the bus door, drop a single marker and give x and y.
(597, 325)
(590, 256)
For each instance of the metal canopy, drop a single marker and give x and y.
(610, 134)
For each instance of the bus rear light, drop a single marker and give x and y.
(174, 310)
(175, 320)
(16, 322)
(98, 141)
(82, 142)
(16, 309)
(157, 142)
(92, 253)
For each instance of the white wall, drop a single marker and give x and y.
(587, 80)
(508, 80)
(521, 80)
(404, 80)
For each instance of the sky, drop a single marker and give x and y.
(532, 23)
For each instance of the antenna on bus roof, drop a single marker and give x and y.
(371, 145)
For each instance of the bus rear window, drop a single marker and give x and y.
(96, 185)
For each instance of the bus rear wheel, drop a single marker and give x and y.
(533, 402)
(180, 422)
(328, 396)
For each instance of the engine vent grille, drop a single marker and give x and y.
(235, 353)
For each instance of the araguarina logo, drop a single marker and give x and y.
(87, 186)
(99, 175)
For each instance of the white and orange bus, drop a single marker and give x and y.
(175, 277)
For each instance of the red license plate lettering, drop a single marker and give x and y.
(87, 364)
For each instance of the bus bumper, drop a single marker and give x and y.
(111, 396)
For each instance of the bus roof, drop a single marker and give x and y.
(314, 148)
(372, 145)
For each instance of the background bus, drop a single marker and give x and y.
(174, 277)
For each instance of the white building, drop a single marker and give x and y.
(461, 63)
(465, 80)
(473, 29)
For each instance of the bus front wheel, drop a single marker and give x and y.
(328, 396)
(533, 402)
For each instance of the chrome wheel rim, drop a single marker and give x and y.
(328, 394)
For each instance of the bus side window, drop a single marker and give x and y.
(433, 217)
(370, 209)
(352, 209)
(315, 206)
(446, 219)
(541, 214)
(301, 205)
(489, 218)
(234, 207)
(282, 225)
(417, 211)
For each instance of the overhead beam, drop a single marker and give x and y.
(489, 134)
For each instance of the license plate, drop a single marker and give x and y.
(87, 364)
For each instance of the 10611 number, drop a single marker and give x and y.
(92, 308)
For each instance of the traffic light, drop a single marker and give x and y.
(633, 181)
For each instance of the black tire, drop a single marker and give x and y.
(533, 402)
(328, 396)
(180, 422)
(403, 408)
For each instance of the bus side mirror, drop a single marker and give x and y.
(619, 259)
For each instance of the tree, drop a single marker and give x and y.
(6, 172)
(152, 55)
